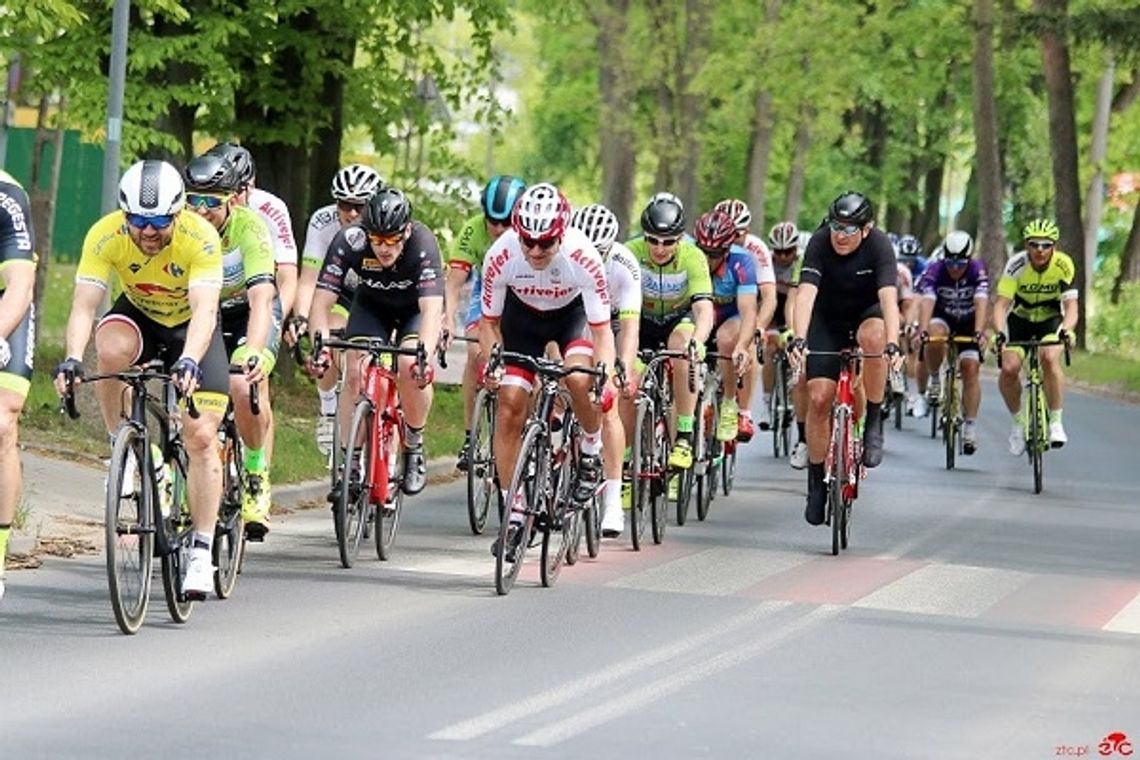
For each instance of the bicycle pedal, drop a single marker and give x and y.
(255, 532)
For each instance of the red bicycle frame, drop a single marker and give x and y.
(379, 387)
(845, 402)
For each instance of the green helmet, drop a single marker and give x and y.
(1041, 228)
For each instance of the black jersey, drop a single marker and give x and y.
(16, 240)
(848, 285)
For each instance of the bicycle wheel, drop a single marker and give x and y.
(835, 504)
(728, 467)
(590, 523)
(777, 405)
(1036, 435)
(529, 468)
(658, 484)
(481, 487)
(641, 472)
(388, 513)
(704, 450)
(352, 504)
(229, 532)
(130, 542)
(173, 571)
(949, 430)
(898, 402)
(560, 526)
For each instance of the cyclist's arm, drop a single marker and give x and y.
(490, 334)
(925, 312)
(453, 282)
(286, 277)
(805, 303)
(766, 310)
(790, 307)
(628, 331)
(889, 301)
(260, 297)
(603, 337)
(431, 321)
(19, 283)
(84, 303)
(319, 310)
(203, 320)
(306, 287)
(1001, 314)
(1069, 314)
(704, 317)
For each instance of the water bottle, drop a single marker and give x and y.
(163, 480)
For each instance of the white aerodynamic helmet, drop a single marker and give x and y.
(151, 188)
(599, 224)
(958, 245)
(355, 183)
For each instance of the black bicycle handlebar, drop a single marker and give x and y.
(138, 376)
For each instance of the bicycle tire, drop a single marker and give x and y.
(897, 400)
(590, 524)
(838, 478)
(1035, 437)
(178, 534)
(387, 515)
(353, 499)
(776, 406)
(229, 531)
(728, 467)
(659, 484)
(934, 412)
(129, 542)
(481, 486)
(640, 471)
(705, 453)
(506, 569)
(561, 524)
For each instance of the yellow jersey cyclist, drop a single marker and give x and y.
(251, 317)
(623, 279)
(17, 341)
(352, 185)
(1036, 298)
(676, 306)
(169, 262)
(466, 265)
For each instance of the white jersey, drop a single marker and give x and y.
(323, 226)
(623, 274)
(276, 215)
(575, 270)
(765, 272)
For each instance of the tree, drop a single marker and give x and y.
(987, 153)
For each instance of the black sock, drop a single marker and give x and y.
(874, 412)
(801, 432)
(414, 436)
(815, 472)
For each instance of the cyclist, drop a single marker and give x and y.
(912, 264)
(955, 295)
(399, 292)
(352, 185)
(623, 276)
(466, 263)
(766, 282)
(544, 282)
(250, 314)
(170, 266)
(732, 270)
(1036, 298)
(677, 311)
(849, 272)
(17, 341)
(787, 257)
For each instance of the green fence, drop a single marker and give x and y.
(80, 186)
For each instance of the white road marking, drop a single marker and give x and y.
(713, 572)
(1127, 620)
(954, 590)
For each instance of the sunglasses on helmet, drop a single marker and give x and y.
(141, 221)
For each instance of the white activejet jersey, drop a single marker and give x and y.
(273, 210)
(624, 276)
(576, 269)
(765, 272)
(323, 226)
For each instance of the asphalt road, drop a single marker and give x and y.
(969, 619)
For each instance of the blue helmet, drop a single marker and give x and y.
(499, 196)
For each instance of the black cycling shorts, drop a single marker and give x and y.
(825, 335)
(527, 331)
(366, 323)
(1023, 329)
(16, 376)
(654, 335)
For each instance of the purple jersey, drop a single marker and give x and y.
(954, 298)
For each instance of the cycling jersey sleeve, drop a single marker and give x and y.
(423, 245)
(275, 214)
(470, 245)
(811, 268)
(886, 265)
(698, 280)
(317, 235)
(494, 282)
(95, 262)
(1007, 283)
(344, 256)
(744, 274)
(253, 236)
(17, 242)
(625, 283)
(203, 250)
(1067, 274)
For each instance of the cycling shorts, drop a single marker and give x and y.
(16, 376)
(235, 325)
(527, 331)
(826, 335)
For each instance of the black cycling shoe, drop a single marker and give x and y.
(415, 470)
(873, 443)
(464, 459)
(816, 507)
(589, 476)
(514, 534)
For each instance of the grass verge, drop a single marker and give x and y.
(1110, 371)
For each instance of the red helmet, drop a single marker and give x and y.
(715, 232)
(541, 213)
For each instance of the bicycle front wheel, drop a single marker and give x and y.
(658, 484)
(704, 456)
(229, 533)
(1035, 441)
(728, 467)
(481, 488)
(388, 513)
(835, 502)
(640, 472)
(129, 525)
(352, 502)
(525, 491)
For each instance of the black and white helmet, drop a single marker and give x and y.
(151, 188)
(355, 183)
(958, 246)
(599, 224)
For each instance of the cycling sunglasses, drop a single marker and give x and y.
(654, 240)
(715, 252)
(1040, 245)
(957, 263)
(141, 221)
(391, 238)
(546, 245)
(784, 251)
(844, 229)
(348, 207)
(202, 200)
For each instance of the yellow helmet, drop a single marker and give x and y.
(1041, 228)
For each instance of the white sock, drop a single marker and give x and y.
(328, 402)
(203, 541)
(613, 493)
(592, 442)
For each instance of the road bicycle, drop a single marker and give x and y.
(369, 484)
(540, 496)
(781, 411)
(137, 528)
(711, 456)
(230, 534)
(1035, 407)
(948, 410)
(649, 450)
(687, 478)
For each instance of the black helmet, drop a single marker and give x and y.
(211, 173)
(663, 216)
(238, 156)
(851, 208)
(388, 210)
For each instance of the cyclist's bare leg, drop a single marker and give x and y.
(354, 362)
(1053, 376)
(11, 403)
(1009, 381)
(253, 429)
(471, 374)
(800, 399)
(415, 400)
(589, 416)
(971, 388)
(513, 403)
(820, 393)
(627, 407)
(726, 337)
(686, 400)
(117, 346)
(936, 352)
(326, 384)
(204, 480)
(771, 346)
(872, 338)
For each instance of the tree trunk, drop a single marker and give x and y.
(691, 116)
(928, 230)
(760, 140)
(1129, 259)
(986, 175)
(1063, 140)
(663, 17)
(1094, 200)
(43, 199)
(618, 154)
(801, 147)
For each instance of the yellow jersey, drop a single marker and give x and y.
(1037, 296)
(157, 285)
